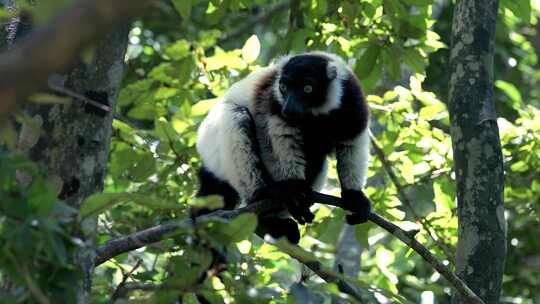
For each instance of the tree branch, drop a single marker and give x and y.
(160, 232)
(56, 47)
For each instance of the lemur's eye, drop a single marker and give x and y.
(282, 87)
(308, 89)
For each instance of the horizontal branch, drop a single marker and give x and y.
(56, 47)
(160, 232)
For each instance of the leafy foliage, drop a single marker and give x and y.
(181, 59)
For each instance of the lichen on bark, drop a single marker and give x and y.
(477, 152)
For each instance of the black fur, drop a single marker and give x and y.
(211, 185)
(294, 194)
(276, 227)
(321, 135)
(307, 69)
(279, 227)
(356, 202)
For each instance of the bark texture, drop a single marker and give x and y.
(477, 151)
(73, 145)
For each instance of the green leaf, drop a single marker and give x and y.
(211, 202)
(179, 50)
(223, 59)
(242, 226)
(521, 8)
(202, 107)
(101, 202)
(432, 112)
(362, 234)
(511, 91)
(184, 8)
(392, 62)
(394, 8)
(143, 168)
(145, 111)
(233, 231)
(520, 166)
(419, 2)
(42, 196)
(251, 49)
(322, 7)
(8, 135)
(165, 130)
(414, 59)
(165, 92)
(366, 63)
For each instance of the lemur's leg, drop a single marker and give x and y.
(209, 184)
(352, 164)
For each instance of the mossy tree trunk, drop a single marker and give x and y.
(73, 144)
(477, 151)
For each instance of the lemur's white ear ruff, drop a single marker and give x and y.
(331, 71)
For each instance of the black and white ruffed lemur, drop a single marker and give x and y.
(270, 136)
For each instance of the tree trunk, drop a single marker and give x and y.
(73, 146)
(477, 151)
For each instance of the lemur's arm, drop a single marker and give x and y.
(288, 169)
(352, 164)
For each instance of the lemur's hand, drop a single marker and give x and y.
(293, 194)
(357, 204)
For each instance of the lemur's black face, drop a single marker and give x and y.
(304, 85)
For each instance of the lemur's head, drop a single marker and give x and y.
(309, 84)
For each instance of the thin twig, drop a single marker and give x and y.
(125, 277)
(405, 200)
(160, 232)
(66, 91)
(58, 88)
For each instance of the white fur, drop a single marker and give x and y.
(352, 162)
(243, 91)
(227, 152)
(278, 65)
(287, 160)
(335, 90)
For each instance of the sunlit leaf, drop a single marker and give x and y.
(209, 202)
(101, 202)
(511, 91)
(521, 8)
(180, 49)
(251, 49)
